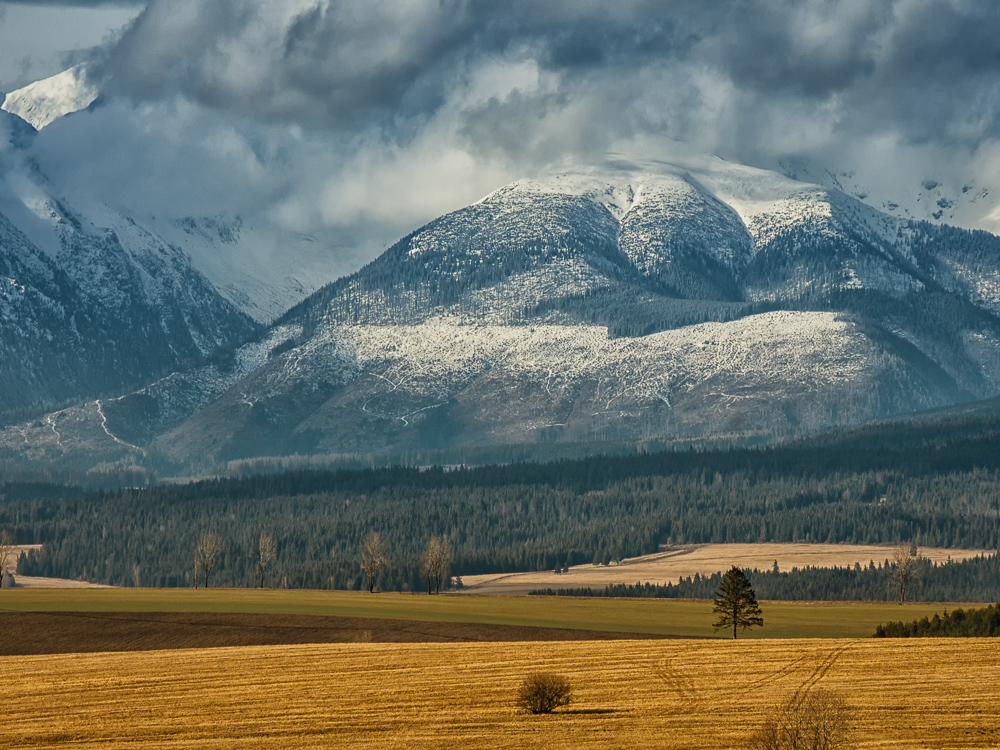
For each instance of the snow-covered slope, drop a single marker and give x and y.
(45, 101)
(628, 302)
(256, 264)
(261, 269)
(906, 194)
(93, 303)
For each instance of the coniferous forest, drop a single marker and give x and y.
(977, 622)
(927, 484)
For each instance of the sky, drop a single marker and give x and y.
(40, 39)
(363, 120)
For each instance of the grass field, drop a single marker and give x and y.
(655, 616)
(628, 694)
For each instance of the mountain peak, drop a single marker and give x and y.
(43, 102)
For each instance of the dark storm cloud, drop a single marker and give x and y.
(347, 64)
(364, 114)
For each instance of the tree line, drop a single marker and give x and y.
(932, 485)
(975, 622)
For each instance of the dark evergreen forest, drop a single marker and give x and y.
(957, 623)
(929, 484)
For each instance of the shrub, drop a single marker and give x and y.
(819, 722)
(541, 693)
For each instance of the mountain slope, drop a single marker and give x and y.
(654, 302)
(93, 304)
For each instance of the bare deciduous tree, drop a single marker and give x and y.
(821, 721)
(207, 555)
(6, 553)
(374, 556)
(267, 551)
(435, 562)
(904, 560)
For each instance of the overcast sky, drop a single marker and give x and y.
(40, 39)
(368, 118)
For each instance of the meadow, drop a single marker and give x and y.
(685, 618)
(628, 694)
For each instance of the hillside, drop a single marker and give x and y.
(626, 303)
(92, 302)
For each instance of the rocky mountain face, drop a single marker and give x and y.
(92, 303)
(656, 303)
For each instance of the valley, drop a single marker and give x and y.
(367, 366)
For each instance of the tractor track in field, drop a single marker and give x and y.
(825, 665)
(785, 671)
(678, 681)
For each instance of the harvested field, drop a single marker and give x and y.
(35, 582)
(670, 565)
(87, 632)
(939, 694)
(38, 582)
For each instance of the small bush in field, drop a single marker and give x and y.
(541, 693)
(819, 722)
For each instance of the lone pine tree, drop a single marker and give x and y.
(735, 603)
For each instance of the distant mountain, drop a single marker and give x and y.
(92, 303)
(659, 303)
(260, 267)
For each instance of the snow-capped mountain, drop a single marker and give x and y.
(935, 199)
(259, 266)
(627, 302)
(43, 102)
(93, 302)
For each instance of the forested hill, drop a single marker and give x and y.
(888, 484)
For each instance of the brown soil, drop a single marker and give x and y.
(28, 633)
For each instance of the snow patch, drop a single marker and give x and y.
(43, 102)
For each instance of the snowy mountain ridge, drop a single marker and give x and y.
(624, 302)
(93, 303)
(43, 102)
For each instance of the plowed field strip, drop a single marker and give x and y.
(85, 632)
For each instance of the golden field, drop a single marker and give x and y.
(671, 565)
(629, 694)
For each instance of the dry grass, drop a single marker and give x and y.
(704, 559)
(628, 694)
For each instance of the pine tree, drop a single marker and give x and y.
(735, 603)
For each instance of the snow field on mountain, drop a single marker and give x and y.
(438, 358)
(45, 101)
